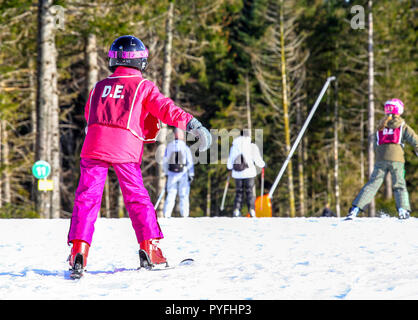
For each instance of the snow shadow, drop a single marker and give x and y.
(55, 273)
(40, 272)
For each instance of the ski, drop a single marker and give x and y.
(145, 263)
(77, 271)
(183, 263)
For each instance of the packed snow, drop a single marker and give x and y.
(235, 258)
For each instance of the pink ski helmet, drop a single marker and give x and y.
(394, 106)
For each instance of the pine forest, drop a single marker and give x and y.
(233, 64)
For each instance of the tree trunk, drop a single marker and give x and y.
(313, 193)
(167, 70)
(55, 155)
(92, 62)
(107, 198)
(248, 102)
(208, 195)
(362, 148)
(388, 186)
(32, 84)
(6, 196)
(47, 101)
(370, 151)
(286, 113)
(301, 174)
(248, 108)
(1, 160)
(305, 157)
(33, 122)
(92, 77)
(121, 204)
(336, 159)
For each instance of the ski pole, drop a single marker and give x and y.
(159, 199)
(225, 190)
(302, 131)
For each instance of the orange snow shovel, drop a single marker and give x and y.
(263, 203)
(263, 206)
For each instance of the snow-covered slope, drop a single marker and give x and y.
(236, 258)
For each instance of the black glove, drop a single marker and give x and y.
(196, 128)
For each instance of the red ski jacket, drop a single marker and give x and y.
(123, 112)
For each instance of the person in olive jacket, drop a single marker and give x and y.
(389, 141)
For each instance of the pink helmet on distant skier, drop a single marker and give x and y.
(394, 106)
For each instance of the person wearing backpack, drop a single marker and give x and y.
(243, 157)
(178, 166)
(389, 141)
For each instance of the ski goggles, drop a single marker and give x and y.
(128, 54)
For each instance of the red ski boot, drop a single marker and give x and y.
(78, 258)
(150, 255)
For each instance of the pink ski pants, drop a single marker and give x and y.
(88, 199)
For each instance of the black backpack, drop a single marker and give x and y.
(239, 163)
(176, 162)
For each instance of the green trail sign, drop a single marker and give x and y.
(41, 169)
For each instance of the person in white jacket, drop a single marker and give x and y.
(178, 166)
(243, 156)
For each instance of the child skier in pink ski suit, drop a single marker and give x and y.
(123, 113)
